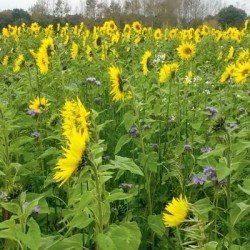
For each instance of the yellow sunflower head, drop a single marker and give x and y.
(137, 27)
(167, 71)
(39, 104)
(228, 73)
(158, 34)
(186, 50)
(175, 212)
(74, 50)
(145, 62)
(117, 84)
(242, 72)
(72, 157)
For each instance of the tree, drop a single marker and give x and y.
(231, 16)
(62, 8)
(90, 8)
(20, 16)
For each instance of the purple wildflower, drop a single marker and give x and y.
(212, 111)
(187, 147)
(210, 172)
(36, 210)
(199, 180)
(134, 132)
(205, 149)
(32, 112)
(36, 135)
(126, 186)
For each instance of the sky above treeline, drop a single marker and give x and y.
(26, 4)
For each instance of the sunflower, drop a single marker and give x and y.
(39, 104)
(158, 34)
(175, 212)
(137, 27)
(186, 50)
(228, 73)
(75, 115)
(167, 71)
(89, 54)
(127, 31)
(42, 60)
(18, 63)
(5, 60)
(72, 157)
(145, 62)
(74, 50)
(117, 84)
(242, 72)
(230, 54)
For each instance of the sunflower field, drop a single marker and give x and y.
(131, 138)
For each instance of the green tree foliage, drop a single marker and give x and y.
(15, 16)
(231, 16)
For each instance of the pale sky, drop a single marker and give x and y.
(26, 4)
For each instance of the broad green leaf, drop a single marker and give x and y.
(53, 243)
(156, 224)
(104, 242)
(129, 120)
(125, 236)
(121, 142)
(202, 208)
(246, 186)
(212, 245)
(117, 194)
(149, 161)
(11, 207)
(32, 238)
(123, 163)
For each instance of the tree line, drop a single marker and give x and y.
(156, 13)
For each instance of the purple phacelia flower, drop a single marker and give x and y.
(205, 149)
(212, 111)
(242, 110)
(134, 132)
(36, 210)
(154, 146)
(36, 135)
(187, 147)
(210, 172)
(32, 112)
(126, 186)
(199, 180)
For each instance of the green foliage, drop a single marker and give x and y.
(231, 16)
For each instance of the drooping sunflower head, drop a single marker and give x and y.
(186, 50)
(72, 157)
(39, 104)
(75, 115)
(145, 62)
(167, 71)
(117, 84)
(175, 212)
(74, 50)
(228, 73)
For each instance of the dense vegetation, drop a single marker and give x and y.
(124, 139)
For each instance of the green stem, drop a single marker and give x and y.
(228, 189)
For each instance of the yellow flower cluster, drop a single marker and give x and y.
(42, 56)
(167, 71)
(75, 126)
(18, 63)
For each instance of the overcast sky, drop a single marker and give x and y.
(26, 4)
